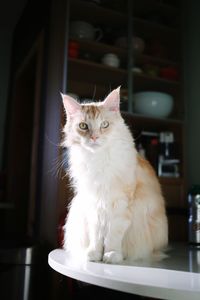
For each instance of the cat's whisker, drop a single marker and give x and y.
(137, 137)
(94, 92)
(59, 163)
(51, 142)
(58, 166)
(64, 176)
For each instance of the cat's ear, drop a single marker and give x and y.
(112, 101)
(70, 104)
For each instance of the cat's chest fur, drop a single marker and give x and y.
(103, 171)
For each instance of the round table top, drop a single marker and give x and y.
(177, 277)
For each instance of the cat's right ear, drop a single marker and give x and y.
(112, 101)
(70, 104)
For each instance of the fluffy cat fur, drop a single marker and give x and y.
(118, 211)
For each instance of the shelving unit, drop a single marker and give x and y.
(152, 20)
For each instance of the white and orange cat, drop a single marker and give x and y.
(118, 211)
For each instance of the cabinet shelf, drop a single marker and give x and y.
(156, 121)
(92, 64)
(162, 62)
(142, 80)
(101, 48)
(149, 6)
(97, 73)
(98, 14)
(157, 79)
(170, 181)
(153, 26)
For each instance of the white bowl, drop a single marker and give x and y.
(111, 59)
(155, 104)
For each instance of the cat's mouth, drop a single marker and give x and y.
(92, 145)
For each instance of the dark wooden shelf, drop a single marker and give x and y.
(161, 62)
(100, 48)
(159, 80)
(96, 73)
(171, 181)
(144, 82)
(142, 23)
(164, 7)
(89, 89)
(92, 64)
(159, 120)
(152, 122)
(96, 13)
(149, 6)
(118, 73)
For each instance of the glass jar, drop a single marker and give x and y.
(194, 215)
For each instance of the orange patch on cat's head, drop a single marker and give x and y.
(92, 111)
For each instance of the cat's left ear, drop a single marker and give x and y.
(70, 104)
(112, 101)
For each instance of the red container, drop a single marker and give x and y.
(73, 49)
(170, 73)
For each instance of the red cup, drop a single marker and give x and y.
(73, 49)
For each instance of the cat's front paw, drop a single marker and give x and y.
(112, 257)
(93, 255)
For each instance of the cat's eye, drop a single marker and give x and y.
(104, 124)
(83, 126)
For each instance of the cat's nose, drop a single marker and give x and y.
(94, 137)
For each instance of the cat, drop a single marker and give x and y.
(118, 211)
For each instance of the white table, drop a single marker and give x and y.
(177, 277)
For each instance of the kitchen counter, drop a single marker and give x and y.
(176, 277)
